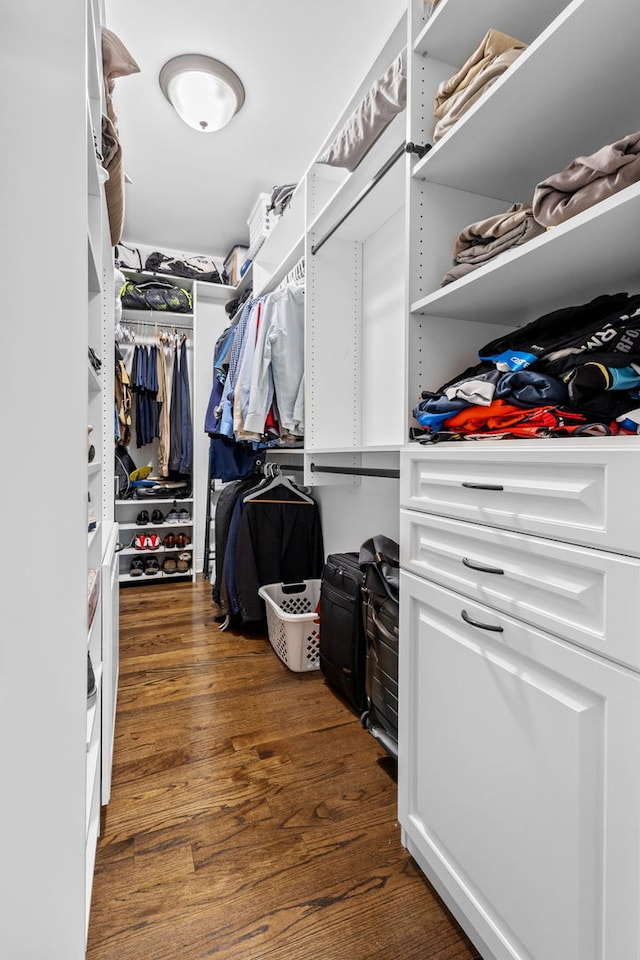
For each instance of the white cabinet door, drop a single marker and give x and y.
(583, 595)
(580, 493)
(519, 785)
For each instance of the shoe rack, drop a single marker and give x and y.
(161, 530)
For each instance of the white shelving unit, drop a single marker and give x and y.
(519, 670)
(54, 744)
(355, 320)
(202, 328)
(126, 513)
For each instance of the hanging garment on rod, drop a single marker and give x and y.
(259, 397)
(278, 366)
(279, 541)
(269, 532)
(164, 427)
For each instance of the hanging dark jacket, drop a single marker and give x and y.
(278, 542)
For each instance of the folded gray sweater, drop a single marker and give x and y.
(587, 180)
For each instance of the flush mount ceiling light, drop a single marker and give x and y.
(204, 92)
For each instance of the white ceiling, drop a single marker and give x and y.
(300, 62)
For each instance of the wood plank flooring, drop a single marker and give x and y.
(251, 818)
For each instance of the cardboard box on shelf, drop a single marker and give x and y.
(233, 263)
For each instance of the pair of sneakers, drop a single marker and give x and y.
(178, 516)
(147, 541)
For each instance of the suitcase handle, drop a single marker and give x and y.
(293, 587)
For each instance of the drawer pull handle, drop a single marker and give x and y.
(478, 566)
(483, 486)
(476, 623)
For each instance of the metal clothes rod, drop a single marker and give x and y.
(358, 471)
(279, 467)
(155, 322)
(363, 193)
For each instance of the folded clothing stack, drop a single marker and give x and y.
(587, 180)
(576, 369)
(489, 61)
(482, 241)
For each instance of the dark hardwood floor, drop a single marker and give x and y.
(251, 816)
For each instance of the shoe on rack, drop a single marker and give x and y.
(142, 518)
(184, 515)
(152, 541)
(182, 541)
(92, 690)
(169, 565)
(151, 566)
(92, 521)
(173, 516)
(136, 567)
(157, 516)
(169, 541)
(183, 562)
(139, 542)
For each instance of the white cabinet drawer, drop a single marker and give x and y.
(583, 595)
(519, 790)
(582, 492)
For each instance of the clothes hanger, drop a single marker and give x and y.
(277, 480)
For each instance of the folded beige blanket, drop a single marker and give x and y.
(486, 239)
(587, 181)
(489, 61)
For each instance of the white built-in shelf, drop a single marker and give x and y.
(519, 132)
(204, 289)
(352, 451)
(161, 527)
(95, 620)
(92, 708)
(160, 575)
(132, 552)
(93, 180)
(593, 253)
(457, 27)
(94, 282)
(93, 534)
(160, 317)
(93, 757)
(94, 381)
(94, 467)
(270, 280)
(94, 71)
(152, 502)
(383, 200)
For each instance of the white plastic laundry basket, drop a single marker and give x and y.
(293, 624)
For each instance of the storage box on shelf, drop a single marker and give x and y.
(516, 554)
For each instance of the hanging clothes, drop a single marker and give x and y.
(175, 415)
(122, 400)
(162, 398)
(186, 432)
(279, 541)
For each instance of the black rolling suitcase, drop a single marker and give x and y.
(380, 561)
(342, 641)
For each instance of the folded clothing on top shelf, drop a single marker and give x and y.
(489, 61)
(484, 240)
(386, 97)
(587, 180)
